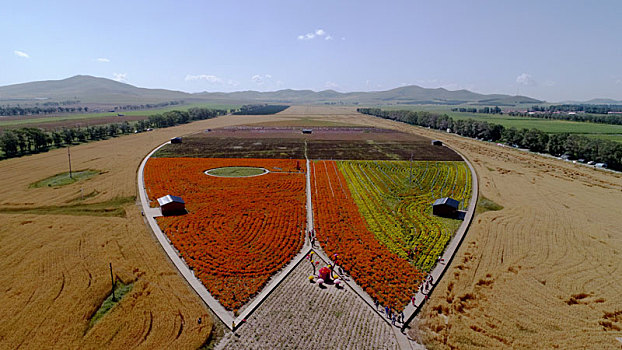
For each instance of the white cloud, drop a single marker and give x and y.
(315, 34)
(260, 79)
(102, 60)
(21, 54)
(331, 85)
(209, 78)
(119, 77)
(525, 79)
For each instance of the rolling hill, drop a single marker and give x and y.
(88, 89)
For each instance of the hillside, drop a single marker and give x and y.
(88, 89)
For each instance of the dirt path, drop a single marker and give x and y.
(300, 315)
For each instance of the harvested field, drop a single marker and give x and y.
(323, 143)
(300, 315)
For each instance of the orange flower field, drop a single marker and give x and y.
(238, 231)
(342, 230)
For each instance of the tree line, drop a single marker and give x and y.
(62, 107)
(586, 108)
(572, 145)
(261, 109)
(611, 119)
(22, 141)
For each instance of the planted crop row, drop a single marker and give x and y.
(238, 231)
(395, 199)
(342, 230)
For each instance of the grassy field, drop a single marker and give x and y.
(71, 119)
(601, 131)
(65, 178)
(236, 171)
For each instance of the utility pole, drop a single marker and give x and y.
(112, 281)
(69, 156)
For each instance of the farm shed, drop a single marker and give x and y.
(172, 205)
(445, 207)
(307, 131)
(437, 142)
(176, 140)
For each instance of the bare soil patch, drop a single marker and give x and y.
(364, 143)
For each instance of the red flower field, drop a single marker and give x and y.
(238, 231)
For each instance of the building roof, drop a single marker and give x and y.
(170, 199)
(447, 201)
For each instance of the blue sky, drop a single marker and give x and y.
(553, 50)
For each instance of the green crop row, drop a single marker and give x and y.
(395, 198)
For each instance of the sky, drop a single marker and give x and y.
(547, 49)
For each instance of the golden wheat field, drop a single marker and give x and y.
(543, 272)
(55, 270)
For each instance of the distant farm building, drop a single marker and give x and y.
(446, 206)
(172, 205)
(176, 140)
(307, 131)
(437, 142)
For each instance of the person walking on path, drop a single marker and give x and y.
(376, 303)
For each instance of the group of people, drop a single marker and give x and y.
(312, 237)
(391, 314)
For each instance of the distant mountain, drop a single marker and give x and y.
(87, 89)
(90, 89)
(403, 95)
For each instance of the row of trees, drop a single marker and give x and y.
(572, 145)
(587, 108)
(611, 119)
(261, 109)
(62, 107)
(17, 110)
(19, 142)
(485, 110)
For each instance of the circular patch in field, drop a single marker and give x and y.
(237, 171)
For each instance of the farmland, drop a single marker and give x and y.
(549, 126)
(543, 272)
(389, 203)
(323, 143)
(55, 122)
